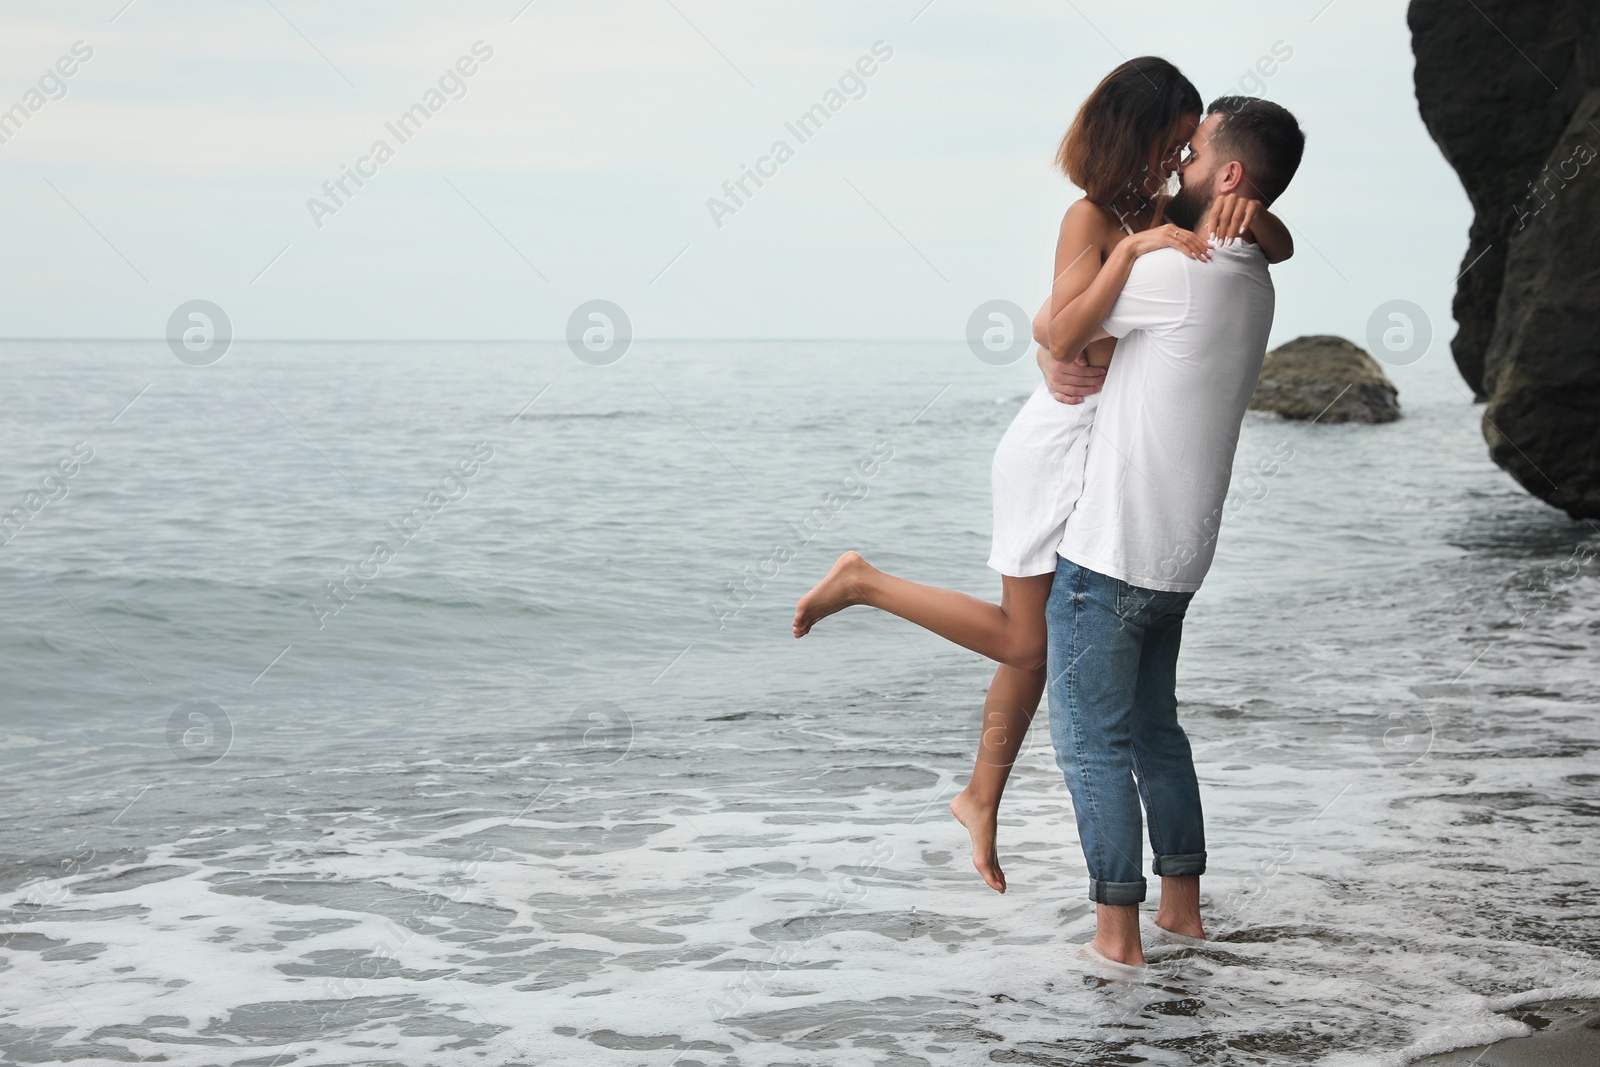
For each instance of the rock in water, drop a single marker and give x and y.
(1521, 126)
(1542, 367)
(1327, 379)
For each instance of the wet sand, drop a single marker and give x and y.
(1567, 1034)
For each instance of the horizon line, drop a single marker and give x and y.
(491, 340)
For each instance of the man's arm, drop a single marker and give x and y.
(1154, 298)
(1070, 382)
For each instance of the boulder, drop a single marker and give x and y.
(1510, 91)
(1325, 379)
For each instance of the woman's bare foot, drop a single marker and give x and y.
(980, 819)
(841, 589)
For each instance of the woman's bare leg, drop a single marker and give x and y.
(1011, 632)
(1013, 698)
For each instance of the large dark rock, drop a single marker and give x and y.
(1508, 88)
(1326, 379)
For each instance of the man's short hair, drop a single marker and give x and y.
(1264, 137)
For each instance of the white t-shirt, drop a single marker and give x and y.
(1192, 336)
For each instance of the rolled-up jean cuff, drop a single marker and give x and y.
(1116, 893)
(1180, 865)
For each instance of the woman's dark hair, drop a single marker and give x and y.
(1107, 148)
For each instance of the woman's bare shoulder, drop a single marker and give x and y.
(1087, 219)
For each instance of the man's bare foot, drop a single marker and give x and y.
(979, 819)
(841, 589)
(1116, 934)
(1182, 929)
(1179, 910)
(1108, 967)
(1118, 952)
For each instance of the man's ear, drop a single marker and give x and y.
(1232, 178)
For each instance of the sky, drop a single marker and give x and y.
(186, 156)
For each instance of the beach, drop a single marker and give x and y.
(1564, 1035)
(405, 703)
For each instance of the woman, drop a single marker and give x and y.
(1122, 150)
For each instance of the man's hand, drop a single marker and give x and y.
(1070, 382)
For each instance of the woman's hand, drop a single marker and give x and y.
(1230, 216)
(1169, 236)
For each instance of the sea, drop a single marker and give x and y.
(436, 703)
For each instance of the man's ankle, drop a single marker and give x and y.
(1179, 910)
(1117, 933)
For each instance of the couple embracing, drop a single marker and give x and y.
(1109, 484)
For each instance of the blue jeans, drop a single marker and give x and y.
(1113, 666)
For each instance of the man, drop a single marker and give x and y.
(1192, 335)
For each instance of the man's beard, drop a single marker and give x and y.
(1190, 205)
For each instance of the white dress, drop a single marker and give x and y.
(1036, 479)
